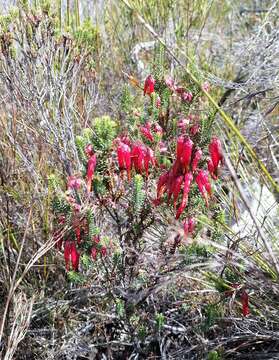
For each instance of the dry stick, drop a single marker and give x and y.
(255, 221)
(12, 287)
(225, 117)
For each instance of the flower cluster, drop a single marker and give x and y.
(180, 91)
(135, 155)
(185, 169)
(71, 242)
(148, 132)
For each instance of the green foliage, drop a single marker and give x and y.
(60, 206)
(81, 142)
(85, 260)
(75, 277)
(160, 320)
(54, 182)
(138, 194)
(92, 228)
(87, 36)
(214, 355)
(126, 100)
(212, 313)
(120, 310)
(105, 130)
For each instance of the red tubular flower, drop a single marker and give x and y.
(188, 178)
(104, 251)
(89, 150)
(203, 184)
(176, 189)
(196, 159)
(124, 158)
(67, 253)
(145, 130)
(137, 156)
(149, 158)
(71, 253)
(215, 150)
(74, 257)
(179, 147)
(245, 303)
(94, 253)
(186, 153)
(149, 85)
(161, 186)
(90, 171)
(210, 168)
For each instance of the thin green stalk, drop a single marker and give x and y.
(60, 13)
(77, 13)
(68, 13)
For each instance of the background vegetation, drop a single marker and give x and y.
(70, 65)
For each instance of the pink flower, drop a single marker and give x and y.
(196, 159)
(145, 130)
(158, 130)
(189, 226)
(91, 164)
(206, 86)
(187, 96)
(188, 178)
(162, 147)
(74, 183)
(194, 129)
(183, 123)
(149, 85)
(89, 150)
(170, 83)
(158, 102)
